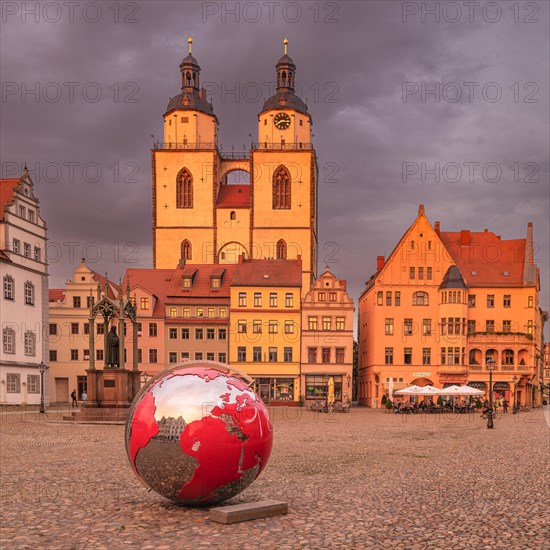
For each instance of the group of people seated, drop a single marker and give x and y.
(402, 407)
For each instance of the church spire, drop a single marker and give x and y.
(190, 71)
(286, 70)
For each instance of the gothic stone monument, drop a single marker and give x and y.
(114, 385)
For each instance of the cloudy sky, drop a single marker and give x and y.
(84, 87)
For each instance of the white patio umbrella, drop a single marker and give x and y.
(411, 390)
(468, 390)
(430, 390)
(452, 390)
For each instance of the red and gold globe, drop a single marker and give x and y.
(197, 434)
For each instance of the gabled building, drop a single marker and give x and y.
(69, 331)
(442, 304)
(327, 339)
(265, 326)
(183, 314)
(24, 299)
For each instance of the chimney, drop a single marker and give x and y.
(241, 258)
(529, 245)
(299, 259)
(344, 284)
(437, 227)
(529, 268)
(380, 260)
(465, 238)
(181, 263)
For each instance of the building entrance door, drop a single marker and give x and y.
(82, 385)
(265, 391)
(62, 390)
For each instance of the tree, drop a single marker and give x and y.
(389, 404)
(384, 399)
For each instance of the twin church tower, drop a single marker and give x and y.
(199, 217)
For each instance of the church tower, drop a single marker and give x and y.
(200, 217)
(183, 174)
(285, 174)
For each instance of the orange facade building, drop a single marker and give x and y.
(327, 339)
(445, 302)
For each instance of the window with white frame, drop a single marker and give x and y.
(13, 383)
(9, 288)
(33, 383)
(16, 246)
(30, 343)
(8, 340)
(37, 253)
(29, 293)
(26, 250)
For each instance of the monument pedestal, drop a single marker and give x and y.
(112, 387)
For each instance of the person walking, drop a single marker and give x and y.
(505, 406)
(84, 398)
(74, 402)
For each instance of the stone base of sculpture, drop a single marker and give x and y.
(112, 387)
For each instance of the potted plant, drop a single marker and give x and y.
(479, 404)
(301, 401)
(440, 401)
(384, 399)
(389, 405)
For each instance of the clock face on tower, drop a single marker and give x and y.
(282, 121)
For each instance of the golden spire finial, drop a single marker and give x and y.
(190, 42)
(285, 42)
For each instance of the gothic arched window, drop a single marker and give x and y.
(184, 189)
(281, 189)
(281, 250)
(185, 250)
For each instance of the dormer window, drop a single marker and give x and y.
(216, 282)
(187, 282)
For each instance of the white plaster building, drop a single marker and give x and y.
(24, 295)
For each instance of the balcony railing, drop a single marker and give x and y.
(185, 145)
(235, 155)
(271, 146)
(453, 369)
(500, 337)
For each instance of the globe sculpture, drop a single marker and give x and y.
(197, 434)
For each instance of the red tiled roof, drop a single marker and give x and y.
(234, 196)
(488, 256)
(110, 293)
(268, 273)
(7, 191)
(202, 286)
(155, 281)
(166, 284)
(56, 294)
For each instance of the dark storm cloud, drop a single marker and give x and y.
(353, 72)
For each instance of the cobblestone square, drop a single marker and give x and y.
(367, 479)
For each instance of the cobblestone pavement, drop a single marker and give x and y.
(367, 479)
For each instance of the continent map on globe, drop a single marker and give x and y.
(198, 434)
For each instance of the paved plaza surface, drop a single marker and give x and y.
(367, 479)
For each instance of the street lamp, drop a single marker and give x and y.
(490, 363)
(42, 369)
(515, 381)
(144, 378)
